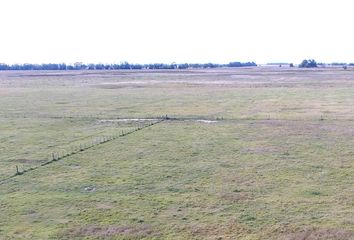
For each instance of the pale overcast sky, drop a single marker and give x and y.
(141, 31)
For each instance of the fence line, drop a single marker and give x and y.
(264, 117)
(75, 116)
(56, 156)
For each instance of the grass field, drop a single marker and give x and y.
(247, 153)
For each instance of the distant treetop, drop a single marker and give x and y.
(239, 64)
(311, 63)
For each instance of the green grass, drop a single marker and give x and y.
(250, 176)
(27, 142)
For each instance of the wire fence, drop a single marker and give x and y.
(57, 156)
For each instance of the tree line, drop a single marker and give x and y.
(123, 65)
(311, 63)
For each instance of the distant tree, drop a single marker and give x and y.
(235, 64)
(79, 66)
(115, 66)
(210, 65)
(136, 66)
(91, 66)
(303, 64)
(338, 64)
(4, 66)
(99, 66)
(27, 66)
(70, 67)
(62, 66)
(291, 65)
(311, 63)
(15, 67)
(239, 64)
(124, 65)
(49, 66)
(183, 66)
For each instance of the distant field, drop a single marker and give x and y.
(245, 153)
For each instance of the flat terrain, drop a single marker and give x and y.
(246, 153)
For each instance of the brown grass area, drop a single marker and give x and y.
(128, 231)
(219, 231)
(320, 234)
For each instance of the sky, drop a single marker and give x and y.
(141, 31)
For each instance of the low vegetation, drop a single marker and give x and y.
(252, 153)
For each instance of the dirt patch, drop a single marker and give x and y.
(26, 161)
(236, 196)
(317, 234)
(259, 150)
(104, 206)
(129, 231)
(127, 120)
(148, 120)
(219, 231)
(206, 121)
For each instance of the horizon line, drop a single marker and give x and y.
(172, 63)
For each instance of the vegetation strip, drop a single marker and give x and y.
(147, 118)
(57, 157)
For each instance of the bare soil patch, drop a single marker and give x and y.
(127, 120)
(320, 234)
(218, 231)
(129, 231)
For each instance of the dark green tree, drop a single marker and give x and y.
(311, 63)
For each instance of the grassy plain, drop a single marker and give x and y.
(277, 163)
